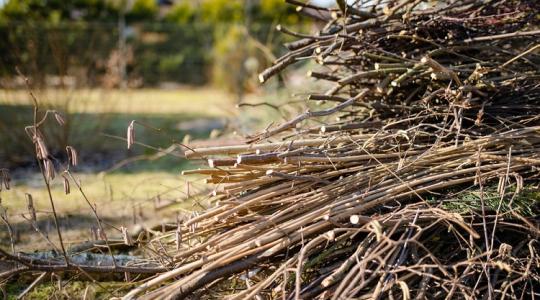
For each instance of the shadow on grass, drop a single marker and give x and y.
(98, 137)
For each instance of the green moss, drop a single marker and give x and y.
(44, 291)
(70, 290)
(525, 203)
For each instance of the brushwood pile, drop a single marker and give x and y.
(415, 175)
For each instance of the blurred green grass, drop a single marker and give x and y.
(210, 101)
(125, 195)
(97, 121)
(93, 116)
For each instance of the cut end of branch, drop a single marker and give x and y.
(261, 78)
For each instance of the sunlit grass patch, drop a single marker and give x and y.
(208, 101)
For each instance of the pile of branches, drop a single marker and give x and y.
(415, 178)
(415, 175)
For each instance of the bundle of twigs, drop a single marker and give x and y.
(434, 100)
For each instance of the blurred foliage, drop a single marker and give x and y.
(55, 10)
(220, 11)
(179, 55)
(191, 42)
(228, 56)
(244, 34)
(181, 13)
(144, 9)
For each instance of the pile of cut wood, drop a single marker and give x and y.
(415, 177)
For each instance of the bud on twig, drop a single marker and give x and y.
(59, 118)
(31, 208)
(66, 184)
(41, 148)
(49, 169)
(5, 179)
(72, 156)
(127, 238)
(101, 235)
(94, 233)
(3, 212)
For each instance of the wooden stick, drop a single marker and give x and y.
(238, 149)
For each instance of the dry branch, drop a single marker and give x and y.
(386, 194)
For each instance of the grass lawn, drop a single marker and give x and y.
(121, 198)
(93, 116)
(206, 101)
(124, 196)
(96, 124)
